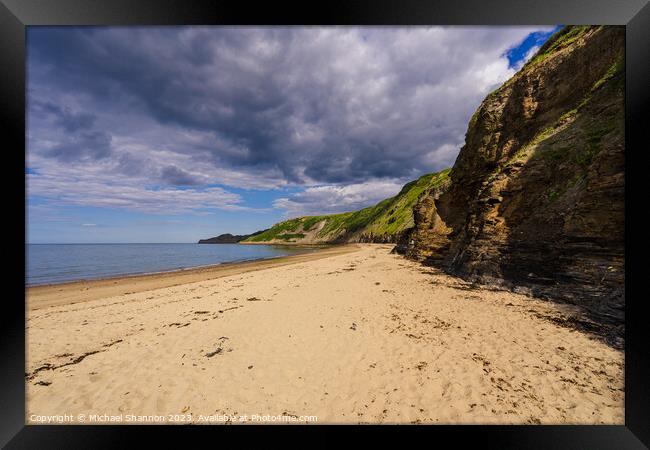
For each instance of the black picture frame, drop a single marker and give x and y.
(16, 15)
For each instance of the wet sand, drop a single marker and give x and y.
(357, 335)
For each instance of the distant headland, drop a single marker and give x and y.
(229, 238)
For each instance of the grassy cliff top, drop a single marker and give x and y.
(387, 217)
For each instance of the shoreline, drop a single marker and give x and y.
(119, 276)
(70, 292)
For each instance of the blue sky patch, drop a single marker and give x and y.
(516, 54)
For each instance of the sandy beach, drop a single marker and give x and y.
(350, 334)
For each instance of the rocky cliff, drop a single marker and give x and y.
(536, 196)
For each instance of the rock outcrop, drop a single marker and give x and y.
(536, 196)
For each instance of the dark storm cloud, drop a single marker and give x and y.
(76, 140)
(70, 121)
(260, 106)
(88, 145)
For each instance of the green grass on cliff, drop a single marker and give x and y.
(387, 217)
(562, 39)
(290, 236)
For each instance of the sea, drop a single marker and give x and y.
(59, 263)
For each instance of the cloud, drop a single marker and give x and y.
(80, 188)
(71, 134)
(87, 145)
(254, 108)
(330, 199)
(178, 177)
(71, 121)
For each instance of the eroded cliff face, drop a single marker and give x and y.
(536, 198)
(428, 240)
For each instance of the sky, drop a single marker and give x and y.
(172, 134)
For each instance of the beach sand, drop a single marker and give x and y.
(357, 335)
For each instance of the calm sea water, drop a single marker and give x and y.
(56, 263)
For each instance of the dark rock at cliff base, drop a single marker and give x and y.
(229, 238)
(536, 196)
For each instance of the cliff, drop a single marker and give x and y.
(536, 196)
(385, 222)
